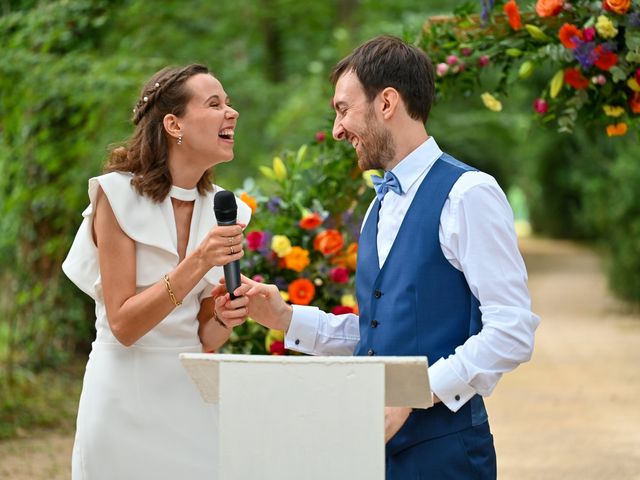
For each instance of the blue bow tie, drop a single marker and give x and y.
(383, 185)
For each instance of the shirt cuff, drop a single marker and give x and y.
(448, 386)
(303, 329)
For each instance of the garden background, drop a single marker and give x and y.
(70, 73)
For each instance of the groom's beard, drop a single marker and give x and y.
(378, 148)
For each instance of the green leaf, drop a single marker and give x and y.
(617, 74)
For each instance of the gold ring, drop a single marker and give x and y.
(231, 252)
(229, 240)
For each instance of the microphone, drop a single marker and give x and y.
(226, 210)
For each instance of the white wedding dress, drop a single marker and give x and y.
(140, 415)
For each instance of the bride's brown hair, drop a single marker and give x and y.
(147, 151)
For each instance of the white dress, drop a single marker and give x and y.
(140, 416)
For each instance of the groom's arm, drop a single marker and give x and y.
(315, 332)
(480, 241)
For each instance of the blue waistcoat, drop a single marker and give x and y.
(418, 303)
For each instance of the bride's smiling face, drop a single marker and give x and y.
(209, 121)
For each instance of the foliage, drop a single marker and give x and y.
(590, 52)
(47, 399)
(304, 232)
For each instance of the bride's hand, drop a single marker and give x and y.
(230, 313)
(223, 244)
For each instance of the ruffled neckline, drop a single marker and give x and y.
(186, 195)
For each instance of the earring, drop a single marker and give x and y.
(179, 139)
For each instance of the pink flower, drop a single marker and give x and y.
(339, 275)
(258, 278)
(638, 75)
(599, 80)
(540, 106)
(442, 69)
(255, 240)
(321, 136)
(341, 309)
(466, 51)
(452, 59)
(589, 34)
(483, 61)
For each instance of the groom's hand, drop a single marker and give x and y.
(265, 304)
(394, 419)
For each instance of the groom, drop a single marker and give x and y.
(438, 272)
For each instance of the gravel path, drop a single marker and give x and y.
(572, 413)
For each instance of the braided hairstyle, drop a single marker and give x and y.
(146, 153)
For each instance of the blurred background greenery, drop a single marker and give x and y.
(70, 72)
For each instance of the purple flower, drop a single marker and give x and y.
(487, 6)
(274, 204)
(466, 51)
(634, 19)
(584, 53)
(483, 61)
(281, 283)
(265, 246)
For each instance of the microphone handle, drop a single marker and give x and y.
(232, 269)
(232, 277)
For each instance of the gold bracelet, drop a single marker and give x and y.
(172, 296)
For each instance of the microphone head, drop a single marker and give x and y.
(225, 207)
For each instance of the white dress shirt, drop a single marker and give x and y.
(478, 238)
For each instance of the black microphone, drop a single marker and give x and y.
(226, 210)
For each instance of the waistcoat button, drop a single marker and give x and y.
(371, 352)
(377, 294)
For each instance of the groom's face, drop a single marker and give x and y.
(357, 123)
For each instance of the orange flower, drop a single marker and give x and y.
(549, 8)
(634, 102)
(574, 77)
(567, 33)
(301, 291)
(347, 259)
(297, 259)
(616, 6)
(310, 221)
(253, 205)
(328, 242)
(605, 58)
(513, 14)
(616, 129)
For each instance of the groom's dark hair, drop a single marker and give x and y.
(387, 61)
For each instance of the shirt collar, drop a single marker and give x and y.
(414, 165)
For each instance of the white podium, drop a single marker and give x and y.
(301, 417)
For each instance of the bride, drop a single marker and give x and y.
(150, 254)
